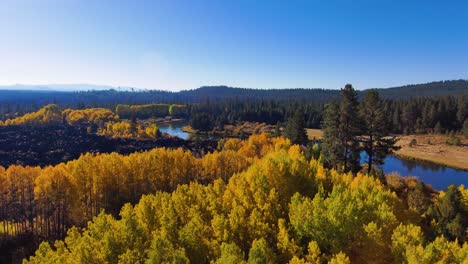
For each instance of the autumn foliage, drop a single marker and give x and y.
(49, 114)
(253, 201)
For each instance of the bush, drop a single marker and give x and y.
(413, 143)
(453, 141)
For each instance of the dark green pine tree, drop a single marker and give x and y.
(350, 129)
(295, 128)
(332, 148)
(465, 128)
(462, 110)
(277, 132)
(376, 141)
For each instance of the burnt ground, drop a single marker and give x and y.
(50, 145)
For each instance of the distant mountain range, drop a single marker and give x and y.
(72, 94)
(64, 87)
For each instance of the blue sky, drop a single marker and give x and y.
(183, 44)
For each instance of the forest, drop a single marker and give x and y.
(128, 193)
(439, 107)
(14, 100)
(254, 201)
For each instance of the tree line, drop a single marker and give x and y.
(408, 116)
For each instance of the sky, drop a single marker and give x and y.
(184, 44)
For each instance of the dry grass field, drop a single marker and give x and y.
(314, 133)
(434, 148)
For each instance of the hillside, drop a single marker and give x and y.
(432, 89)
(113, 97)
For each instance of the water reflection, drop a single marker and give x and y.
(440, 177)
(411, 164)
(174, 129)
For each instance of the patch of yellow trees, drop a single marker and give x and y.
(100, 120)
(253, 201)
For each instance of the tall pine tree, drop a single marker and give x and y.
(342, 128)
(376, 141)
(332, 148)
(350, 129)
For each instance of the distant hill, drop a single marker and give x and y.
(92, 96)
(62, 87)
(432, 89)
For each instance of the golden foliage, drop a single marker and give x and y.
(252, 201)
(49, 114)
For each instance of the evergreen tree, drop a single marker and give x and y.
(331, 144)
(438, 128)
(462, 110)
(277, 132)
(295, 129)
(465, 128)
(408, 118)
(376, 140)
(350, 128)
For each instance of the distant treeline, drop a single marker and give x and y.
(16, 101)
(208, 115)
(419, 115)
(432, 107)
(423, 115)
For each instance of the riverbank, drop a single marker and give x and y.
(433, 148)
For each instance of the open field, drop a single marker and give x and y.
(434, 148)
(314, 133)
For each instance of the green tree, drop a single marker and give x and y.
(332, 148)
(438, 128)
(230, 254)
(450, 214)
(277, 132)
(260, 253)
(376, 140)
(462, 110)
(350, 129)
(465, 128)
(295, 128)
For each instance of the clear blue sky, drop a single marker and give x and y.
(182, 44)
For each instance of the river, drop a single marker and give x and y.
(440, 177)
(174, 129)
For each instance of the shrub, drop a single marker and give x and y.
(413, 143)
(453, 141)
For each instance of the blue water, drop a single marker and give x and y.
(174, 129)
(440, 177)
